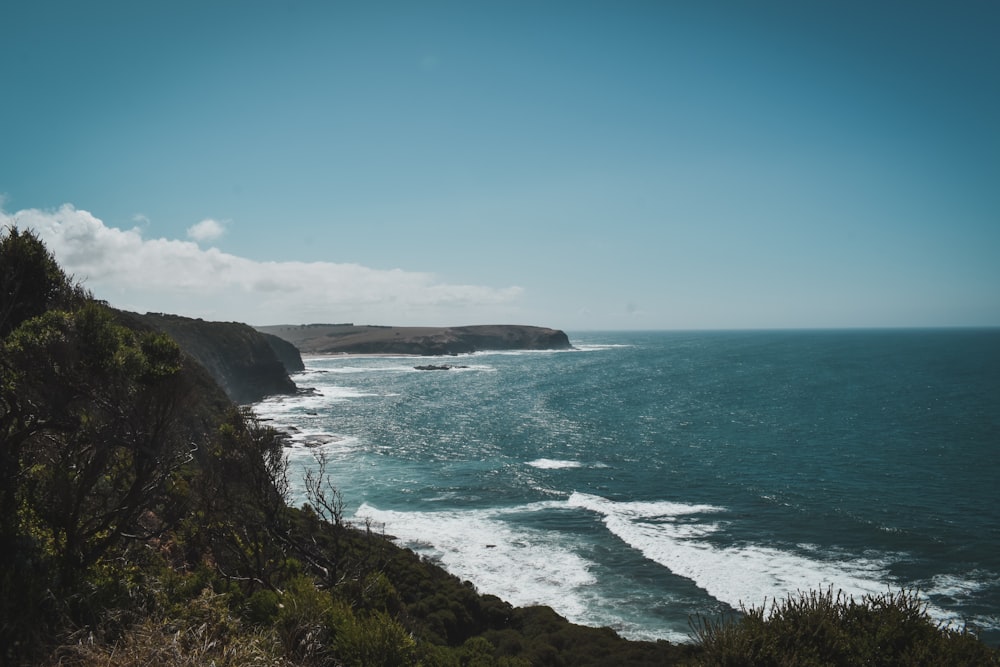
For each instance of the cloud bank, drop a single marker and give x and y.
(164, 275)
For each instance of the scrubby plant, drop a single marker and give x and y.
(821, 628)
(204, 632)
(373, 640)
(305, 621)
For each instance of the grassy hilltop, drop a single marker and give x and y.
(143, 521)
(365, 339)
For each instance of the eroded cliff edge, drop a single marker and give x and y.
(247, 364)
(425, 341)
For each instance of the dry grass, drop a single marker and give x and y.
(204, 634)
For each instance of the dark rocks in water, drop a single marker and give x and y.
(423, 341)
(433, 367)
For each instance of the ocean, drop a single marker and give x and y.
(644, 478)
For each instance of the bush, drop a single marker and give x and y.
(372, 641)
(821, 628)
(305, 621)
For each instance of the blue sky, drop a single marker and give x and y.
(582, 165)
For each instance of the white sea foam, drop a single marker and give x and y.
(553, 464)
(317, 440)
(481, 368)
(597, 347)
(281, 407)
(745, 574)
(948, 588)
(521, 565)
(959, 587)
(367, 370)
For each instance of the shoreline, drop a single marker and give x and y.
(362, 355)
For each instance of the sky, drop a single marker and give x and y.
(581, 165)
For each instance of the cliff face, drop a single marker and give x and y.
(347, 338)
(287, 353)
(245, 363)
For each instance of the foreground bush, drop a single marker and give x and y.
(823, 628)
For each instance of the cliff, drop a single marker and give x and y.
(247, 364)
(287, 353)
(348, 338)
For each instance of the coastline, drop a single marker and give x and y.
(328, 339)
(364, 355)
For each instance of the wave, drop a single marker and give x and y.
(597, 347)
(963, 589)
(553, 464)
(527, 565)
(300, 440)
(747, 575)
(523, 566)
(276, 407)
(737, 575)
(519, 564)
(354, 370)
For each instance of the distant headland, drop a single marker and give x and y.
(424, 341)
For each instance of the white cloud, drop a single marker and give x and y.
(206, 230)
(164, 275)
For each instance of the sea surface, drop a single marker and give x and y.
(645, 478)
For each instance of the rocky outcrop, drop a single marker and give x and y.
(426, 341)
(243, 361)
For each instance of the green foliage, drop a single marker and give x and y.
(240, 359)
(821, 628)
(31, 281)
(373, 640)
(205, 633)
(96, 404)
(306, 621)
(262, 607)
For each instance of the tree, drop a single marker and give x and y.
(31, 281)
(241, 491)
(91, 412)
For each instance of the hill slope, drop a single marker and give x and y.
(247, 364)
(351, 339)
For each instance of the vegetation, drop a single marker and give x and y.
(823, 628)
(246, 364)
(143, 520)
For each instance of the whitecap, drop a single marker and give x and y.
(746, 574)
(553, 464)
(521, 565)
(950, 588)
(597, 347)
(305, 445)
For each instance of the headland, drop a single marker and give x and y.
(424, 341)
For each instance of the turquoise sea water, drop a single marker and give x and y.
(646, 477)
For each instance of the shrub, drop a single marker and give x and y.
(305, 621)
(821, 628)
(373, 640)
